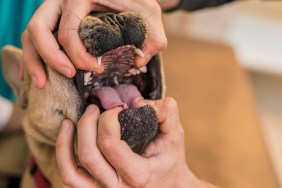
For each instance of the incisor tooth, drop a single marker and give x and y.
(99, 60)
(143, 69)
(87, 77)
(139, 52)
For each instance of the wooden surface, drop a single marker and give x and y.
(268, 90)
(223, 138)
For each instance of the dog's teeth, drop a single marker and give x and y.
(116, 80)
(99, 59)
(134, 71)
(143, 69)
(139, 52)
(87, 78)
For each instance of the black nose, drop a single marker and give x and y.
(103, 32)
(132, 26)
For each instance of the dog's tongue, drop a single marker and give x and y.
(126, 96)
(114, 86)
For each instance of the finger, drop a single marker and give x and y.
(68, 170)
(40, 30)
(73, 13)
(151, 12)
(171, 136)
(88, 152)
(33, 62)
(156, 41)
(117, 152)
(167, 113)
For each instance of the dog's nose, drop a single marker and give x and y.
(115, 20)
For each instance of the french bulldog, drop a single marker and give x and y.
(115, 39)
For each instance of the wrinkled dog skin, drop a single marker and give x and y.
(115, 39)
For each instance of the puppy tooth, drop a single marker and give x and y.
(139, 52)
(134, 71)
(99, 59)
(87, 77)
(143, 69)
(116, 80)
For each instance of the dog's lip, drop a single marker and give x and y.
(125, 49)
(137, 51)
(85, 77)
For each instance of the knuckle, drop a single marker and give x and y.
(24, 36)
(141, 181)
(154, 7)
(62, 38)
(142, 178)
(67, 179)
(164, 44)
(32, 28)
(170, 103)
(180, 135)
(104, 144)
(88, 160)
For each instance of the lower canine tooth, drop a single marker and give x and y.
(143, 69)
(99, 60)
(87, 78)
(134, 71)
(139, 52)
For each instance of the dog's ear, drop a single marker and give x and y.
(11, 62)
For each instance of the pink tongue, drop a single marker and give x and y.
(124, 95)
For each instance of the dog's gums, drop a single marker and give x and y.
(116, 40)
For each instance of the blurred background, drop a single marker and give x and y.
(224, 67)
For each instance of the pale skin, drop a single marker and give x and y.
(40, 44)
(107, 161)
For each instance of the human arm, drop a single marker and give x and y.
(38, 40)
(111, 161)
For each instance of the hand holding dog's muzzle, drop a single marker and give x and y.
(108, 161)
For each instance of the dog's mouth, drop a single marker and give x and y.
(120, 85)
(115, 40)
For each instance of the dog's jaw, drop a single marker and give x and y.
(121, 83)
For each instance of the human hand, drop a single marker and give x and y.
(151, 11)
(108, 161)
(39, 42)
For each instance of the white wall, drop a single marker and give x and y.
(252, 28)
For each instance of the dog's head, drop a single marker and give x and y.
(115, 39)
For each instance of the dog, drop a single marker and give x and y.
(115, 39)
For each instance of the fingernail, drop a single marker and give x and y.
(90, 109)
(65, 126)
(34, 80)
(66, 71)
